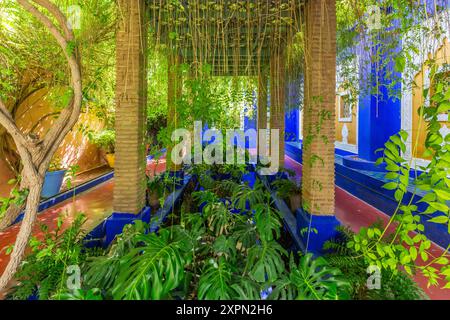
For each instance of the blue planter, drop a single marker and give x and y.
(52, 183)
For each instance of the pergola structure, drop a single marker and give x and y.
(237, 38)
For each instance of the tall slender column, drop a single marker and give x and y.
(131, 92)
(278, 97)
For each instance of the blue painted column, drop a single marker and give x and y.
(379, 111)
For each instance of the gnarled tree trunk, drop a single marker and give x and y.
(35, 154)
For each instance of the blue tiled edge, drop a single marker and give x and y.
(172, 200)
(108, 229)
(117, 221)
(48, 203)
(51, 202)
(325, 225)
(359, 164)
(370, 190)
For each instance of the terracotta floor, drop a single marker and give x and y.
(97, 205)
(87, 176)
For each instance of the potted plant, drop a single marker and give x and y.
(53, 178)
(155, 191)
(158, 186)
(106, 141)
(290, 192)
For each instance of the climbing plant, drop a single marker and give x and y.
(403, 243)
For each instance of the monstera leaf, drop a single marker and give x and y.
(267, 222)
(219, 282)
(244, 232)
(101, 271)
(215, 282)
(311, 279)
(265, 262)
(152, 271)
(244, 196)
(220, 220)
(246, 289)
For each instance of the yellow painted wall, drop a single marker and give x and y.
(75, 149)
(352, 126)
(419, 126)
(5, 176)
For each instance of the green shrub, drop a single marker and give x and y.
(105, 140)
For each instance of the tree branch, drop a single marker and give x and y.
(6, 120)
(40, 157)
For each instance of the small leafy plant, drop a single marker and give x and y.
(105, 140)
(44, 271)
(55, 165)
(16, 197)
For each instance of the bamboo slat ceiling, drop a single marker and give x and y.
(234, 37)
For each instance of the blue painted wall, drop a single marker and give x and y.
(294, 97)
(379, 112)
(292, 125)
(251, 123)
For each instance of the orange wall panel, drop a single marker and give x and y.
(419, 126)
(74, 150)
(352, 126)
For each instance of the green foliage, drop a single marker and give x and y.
(215, 254)
(404, 21)
(394, 286)
(44, 269)
(56, 164)
(265, 261)
(215, 282)
(218, 101)
(403, 249)
(92, 295)
(105, 139)
(31, 59)
(311, 279)
(151, 271)
(16, 197)
(286, 188)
